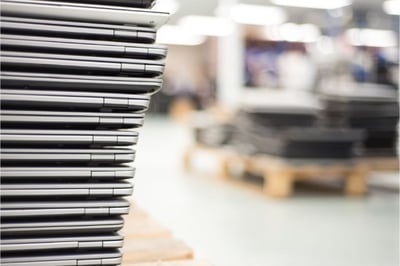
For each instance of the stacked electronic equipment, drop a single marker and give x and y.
(287, 126)
(77, 77)
(371, 107)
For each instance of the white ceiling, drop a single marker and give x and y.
(372, 10)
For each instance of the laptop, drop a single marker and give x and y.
(300, 143)
(29, 137)
(67, 173)
(358, 91)
(24, 80)
(61, 226)
(363, 99)
(64, 208)
(129, 3)
(79, 64)
(37, 190)
(13, 244)
(83, 12)
(278, 109)
(73, 100)
(83, 47)
(79, 30)
(24, 118)
(65, 156)
(101, 257)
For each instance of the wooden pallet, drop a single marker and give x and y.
(147, 241)
(381, 163)
(139, 225)
(280, 174)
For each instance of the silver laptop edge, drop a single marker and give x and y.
(90, 13)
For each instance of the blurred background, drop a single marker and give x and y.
(285, 85)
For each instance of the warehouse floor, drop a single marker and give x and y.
(233, 226)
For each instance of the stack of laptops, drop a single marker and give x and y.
(77, 77)
(371, 107)
(286, 125)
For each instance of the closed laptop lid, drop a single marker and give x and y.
(73, 99)
(30, 55)
(104, 257)
(79, 64)
(41, 119)
(128, 3)
(68, 132)
(267, 101)
(117, 172)
(79, 46)
(42, 204)
(67, 137)
(19, 190)
(56, 208)
(74, 29)
(64, 156)
(83, 12)
(325, 135)
(30, 22)
(81, 114)
(77, 94)
(27, 80)
(60, 226)
(358, 92)
(10, 244)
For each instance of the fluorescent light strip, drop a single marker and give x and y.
(392, 7)
(371, 37)
(206, 25)
(175, 35)
(317, 4)
(257, 14)
(291, 32)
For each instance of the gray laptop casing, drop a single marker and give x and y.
(37, 190)
(80, 64)
(70, 119)
(25, 137)
(74, 29)
(74, 99)
(61, 242)
(61, 226)
(107, 257)
(128, 3)
(77, 46)
(40, 208)
(72, 172)
(104, 155)
(85, 12)
(26, 80)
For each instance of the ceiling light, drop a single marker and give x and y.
(310, 32)
(205, 25)
(257, 14)
(326, 45)
(318, 4)
(371, 37)
(170, 6)
(291, 32)
(392, 7)
(175, 35)
(354, 37)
